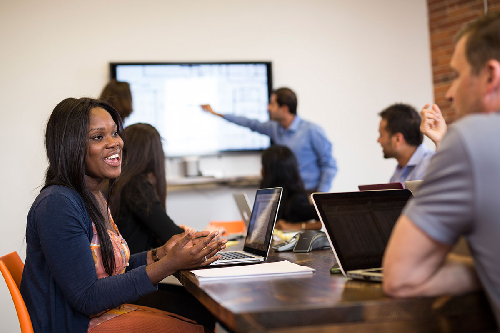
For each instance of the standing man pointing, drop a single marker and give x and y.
(307, 140)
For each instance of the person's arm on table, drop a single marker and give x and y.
(416, 262)
(424, 268)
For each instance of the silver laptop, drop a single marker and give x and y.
(358, 226)
(412, 185)
(259, 232)
(241, 200)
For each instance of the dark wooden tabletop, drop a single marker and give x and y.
(324, 302)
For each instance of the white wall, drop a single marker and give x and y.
(346, 60)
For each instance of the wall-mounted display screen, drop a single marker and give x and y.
(168, 96)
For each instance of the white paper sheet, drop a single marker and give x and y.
(284, 268)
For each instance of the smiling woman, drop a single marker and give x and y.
(79, 273)
(104, 149)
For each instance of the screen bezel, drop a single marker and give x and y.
(112, 74)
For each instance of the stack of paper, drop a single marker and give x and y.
(280, 268)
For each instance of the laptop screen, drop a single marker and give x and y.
(262, 220)
(359, 224)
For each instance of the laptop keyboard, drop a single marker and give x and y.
(233, 255)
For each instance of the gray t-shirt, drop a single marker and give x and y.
(460, 196)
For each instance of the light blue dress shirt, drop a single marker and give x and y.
(308, 142)
(416, 166)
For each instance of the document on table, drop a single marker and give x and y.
(280, 268)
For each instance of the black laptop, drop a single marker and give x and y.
(358, 226)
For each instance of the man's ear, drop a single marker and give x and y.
(398, 138)
(286, 108)
(493, 76)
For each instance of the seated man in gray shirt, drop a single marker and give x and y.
(459, 194)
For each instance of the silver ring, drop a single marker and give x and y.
(205, 258)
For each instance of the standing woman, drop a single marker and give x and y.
(79, 273)
(280, 169)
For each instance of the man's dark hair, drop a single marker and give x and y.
(286, 96)
(66, 139)
(404, 119)
(483, 40)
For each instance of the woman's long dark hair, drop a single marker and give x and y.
(142, 154)
(280, 169)
(118, 95)
(66, 140)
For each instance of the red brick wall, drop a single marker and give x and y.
(446, 17)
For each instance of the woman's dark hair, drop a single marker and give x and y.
(118, 95)
(66, 139)
(279, 168)
(142, 154)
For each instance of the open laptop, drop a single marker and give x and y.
(412, 185)
(377, 187)
(259, 232)
(241, 200)
(358, 226)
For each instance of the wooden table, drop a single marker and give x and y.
(331, 303)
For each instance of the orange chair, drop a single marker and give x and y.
(230, 227)
(12, 267)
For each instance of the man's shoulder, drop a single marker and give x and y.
(311, 126)
(426, 151)
(477, 123)
(477, 129)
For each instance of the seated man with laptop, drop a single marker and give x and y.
(400, 138)
(459, 194)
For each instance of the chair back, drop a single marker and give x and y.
(12, 267)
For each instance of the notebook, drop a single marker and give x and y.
(358, 226)
(386, 186)
(260, 230)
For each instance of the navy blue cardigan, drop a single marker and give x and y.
(59, 284)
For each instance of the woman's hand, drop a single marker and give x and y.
(191, 252)
(186, 227)
(185, 252)
(198, 236)
(212, 228)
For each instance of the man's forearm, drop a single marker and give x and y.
(456, 276)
